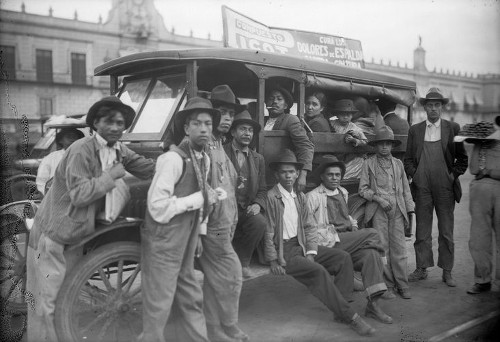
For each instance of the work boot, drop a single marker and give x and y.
(389, 294)
(418, 274)
(359, 325)
(405, 293)
(235, 332)
(216, 334)
(448, 279)
(479, 288)
(374, 311)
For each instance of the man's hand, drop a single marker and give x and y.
(310, 257)
(116, 171)
(385, 204)
(301, 181)
(253, 209)
(199, 247)
(276, 268)
(354, 228)
(221, 193)
(349, 139)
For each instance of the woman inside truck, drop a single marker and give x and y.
(314, 106)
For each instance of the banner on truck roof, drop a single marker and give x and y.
(245, 33)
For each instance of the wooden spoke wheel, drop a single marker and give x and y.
(100, 299)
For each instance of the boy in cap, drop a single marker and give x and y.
(384, 185)
(87, 171)
(291, 246)
(178, 204)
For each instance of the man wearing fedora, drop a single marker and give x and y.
(291, 246)
(337, 229)
(278, 102)
(434, 162)
(485, 210)
(219, 262)
(179, 202)
(384, 185)
(250, 188)
(67, 214)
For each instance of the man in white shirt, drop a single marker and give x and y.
(291, 246)
(177, 209)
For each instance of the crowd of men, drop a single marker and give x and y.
(209, 201)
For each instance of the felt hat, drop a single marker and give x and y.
(384, 133)
(244, 117)
(327, 161)
(434, 94)
(287, 157)
(286, 94)
(193, 104)
(222, 95)
(344, 106)
(114, 103)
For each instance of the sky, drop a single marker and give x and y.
(459, 35)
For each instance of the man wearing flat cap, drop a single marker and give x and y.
(68, 211)
(434, 162)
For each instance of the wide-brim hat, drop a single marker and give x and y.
(287, 157)
(223, 95)
(384, 133)
(286, 94)
(434, 94)
(114, 103)
(344, 106)
(245, 118)
(194, 104)
(326, 161)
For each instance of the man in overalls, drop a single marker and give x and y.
(434, 162)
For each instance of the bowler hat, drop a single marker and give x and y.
(344, 106)
(114, 103)
(287, 157)
(286, 94)
(193, 104)
(223, 95)
(384, 133)
(434, 94)
(327, 161)
(245, 118)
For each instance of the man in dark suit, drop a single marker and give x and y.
(434, 162)
(391, 119)
(250, 188)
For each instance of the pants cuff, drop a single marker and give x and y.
(370, 290)
(478, 280)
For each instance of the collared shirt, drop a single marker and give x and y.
(47, 169)
(290, 214)
(241, 155)
(162, 205)
(432, 130)
(270, 124)
(107, 154)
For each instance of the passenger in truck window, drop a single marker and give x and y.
(315, 104)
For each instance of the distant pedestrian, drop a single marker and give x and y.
(434, 162)
(485, 210)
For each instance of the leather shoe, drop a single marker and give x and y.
(479, 288)
(389, 294)
(404, 293)
(418, 274)
(216, 334)
(375, 312)
(448, 279)
(359, 325)
(235, 332)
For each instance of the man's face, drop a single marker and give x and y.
(111, 127)
(433, 109)
(384, 148)
(331, 177)
(226, 118)
(276, 102)
(243, 134)
(344, 118)
(286, 175)
(199, 129)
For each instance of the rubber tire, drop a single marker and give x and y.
(80, 274)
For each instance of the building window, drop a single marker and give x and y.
(44, 65)
(8, 62)
(78, 68)
(46, 108)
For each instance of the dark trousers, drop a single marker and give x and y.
(364, 248)
(435, 193)
(249, 232)
(317, 275)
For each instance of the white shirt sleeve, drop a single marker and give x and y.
(162, 204)
(47, 168)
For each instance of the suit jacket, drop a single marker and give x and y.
(302, 145)
(397, 124)
(319, 124)
(257, 183)
(454, 153)
(68, 211)
(307, 233)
